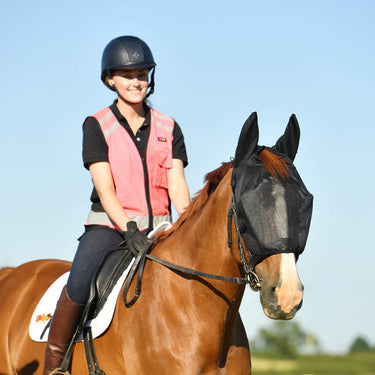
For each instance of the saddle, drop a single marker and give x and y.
(111, 269)
(105, 278)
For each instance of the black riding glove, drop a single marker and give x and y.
(136, 239)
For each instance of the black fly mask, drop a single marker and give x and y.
(273, 205)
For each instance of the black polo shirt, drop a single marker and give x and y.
(95, 148)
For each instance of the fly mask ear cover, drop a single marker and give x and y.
(274, 214)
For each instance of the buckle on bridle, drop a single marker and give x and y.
(254, 281)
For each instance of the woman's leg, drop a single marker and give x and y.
(94, 245)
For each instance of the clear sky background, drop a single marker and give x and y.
(218, 61)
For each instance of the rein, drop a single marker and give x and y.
(251, 277)
(176, 267)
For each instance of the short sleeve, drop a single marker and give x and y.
(178, 145)
(94, 145)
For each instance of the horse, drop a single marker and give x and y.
(248, 223)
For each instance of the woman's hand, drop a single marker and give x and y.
(135, 239)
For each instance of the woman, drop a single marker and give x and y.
(136, 157)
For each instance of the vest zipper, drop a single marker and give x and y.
(148, 200)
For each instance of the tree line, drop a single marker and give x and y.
(288, 340)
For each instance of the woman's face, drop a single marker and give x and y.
(131, 84)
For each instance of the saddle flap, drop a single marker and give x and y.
(107, 275)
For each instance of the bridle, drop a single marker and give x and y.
(248, 267)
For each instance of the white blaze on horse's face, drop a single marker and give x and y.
(281, 216)
(281, 294)
(282, 291)
(290, 291)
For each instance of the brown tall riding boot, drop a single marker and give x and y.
(63, 324)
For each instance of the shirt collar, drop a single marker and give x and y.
(123, 120)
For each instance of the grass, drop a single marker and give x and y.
(353, 364)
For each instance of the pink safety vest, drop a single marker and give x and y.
(128, 171)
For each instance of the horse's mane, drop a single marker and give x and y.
(212, 180)
(274, 164)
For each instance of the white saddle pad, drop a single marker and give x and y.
(46, 307)
(47, 304)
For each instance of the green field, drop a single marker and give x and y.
(353, 364)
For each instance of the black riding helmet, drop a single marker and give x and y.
(127, 52)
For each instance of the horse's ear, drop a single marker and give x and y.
(288, 143)
(247, 141)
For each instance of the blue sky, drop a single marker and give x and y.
(217, 63)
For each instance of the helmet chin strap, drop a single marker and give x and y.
(151, 84)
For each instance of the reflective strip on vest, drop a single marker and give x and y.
(101, 218)
(128, 171)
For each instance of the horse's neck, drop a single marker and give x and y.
(201, 243)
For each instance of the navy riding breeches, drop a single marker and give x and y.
(93, 247)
